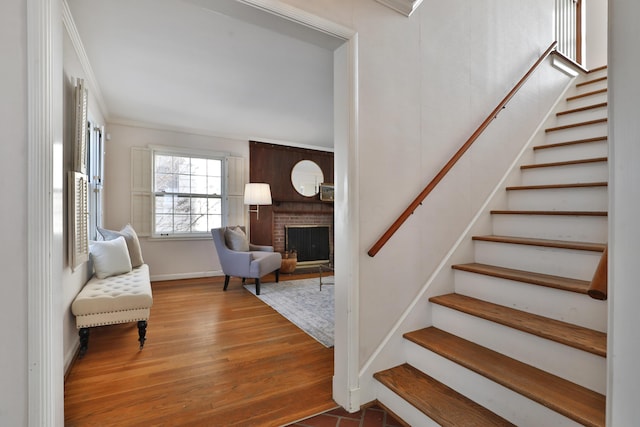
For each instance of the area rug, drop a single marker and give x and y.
(303, 304)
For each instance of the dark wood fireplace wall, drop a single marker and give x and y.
(272, 164)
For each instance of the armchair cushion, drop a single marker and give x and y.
(235, 239)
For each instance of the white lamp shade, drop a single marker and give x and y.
(257, 193)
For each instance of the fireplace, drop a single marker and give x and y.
(311, 242)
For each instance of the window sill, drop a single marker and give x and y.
(179, 237)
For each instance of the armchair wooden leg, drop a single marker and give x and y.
(257, 286)
(226, 282)
(277, 275)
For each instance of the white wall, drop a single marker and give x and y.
(167, 259)
(13, 214)
(72, 281)
(595, 33)
(425, 83)
(624, 212)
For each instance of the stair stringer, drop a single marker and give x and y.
(418, 313)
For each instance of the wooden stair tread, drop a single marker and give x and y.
(575, 125)
(571, 400)
(588, 82)
(578, 110)
(575, 336)
(546, 280)
(586, 94)
(547, 243)
(562, 213)
(567, 143)
(557, 186)
(436, 400)
(600, 68)
(565, 163)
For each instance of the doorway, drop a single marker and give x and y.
(45, 58)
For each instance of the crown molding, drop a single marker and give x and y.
(405, 7)
(283, 10)
(92, 82)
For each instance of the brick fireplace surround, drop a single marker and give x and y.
(289, 215)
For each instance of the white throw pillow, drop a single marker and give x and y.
(133, 244)
(110, 257)
(236, 239)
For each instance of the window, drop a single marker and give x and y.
(95, 164)
(188, 197)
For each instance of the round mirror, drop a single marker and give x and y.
(306, 177)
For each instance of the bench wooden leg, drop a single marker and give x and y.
(142, 332)
(84, 341)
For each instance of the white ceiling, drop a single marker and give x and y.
(217, 67)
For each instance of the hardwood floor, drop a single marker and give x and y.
(212, 358)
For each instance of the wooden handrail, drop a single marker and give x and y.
(447, 167)
(599, 283)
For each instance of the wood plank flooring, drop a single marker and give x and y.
(212, 358)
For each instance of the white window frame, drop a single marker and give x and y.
(174, 151)
(95, 170)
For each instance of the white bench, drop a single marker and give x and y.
(116, 299)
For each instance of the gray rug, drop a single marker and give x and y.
(303, 304)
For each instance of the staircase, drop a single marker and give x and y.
(520, 342)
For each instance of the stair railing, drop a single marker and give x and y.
(599, 283)
(449, 165)
(568, 27)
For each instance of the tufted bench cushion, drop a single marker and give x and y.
(116, 299)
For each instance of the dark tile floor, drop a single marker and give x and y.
(374, 416)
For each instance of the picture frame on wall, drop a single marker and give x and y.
(327, 192)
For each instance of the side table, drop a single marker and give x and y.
(327, 268)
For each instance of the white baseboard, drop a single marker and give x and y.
(190, 275)
(348, 398)
(71, 354)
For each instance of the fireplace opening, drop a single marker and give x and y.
(311, 242)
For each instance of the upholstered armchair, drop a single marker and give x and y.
(240, 258)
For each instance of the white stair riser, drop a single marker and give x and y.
(558, 262)
(587, 150)
(508, 404)
(554, 227)
(559, 199)
(591, 86)
(398, 405)
(572, 134)
(581, 116)
(571, 307)
(596, 74)
(566, 174)
(580, 367)
(586, 101)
